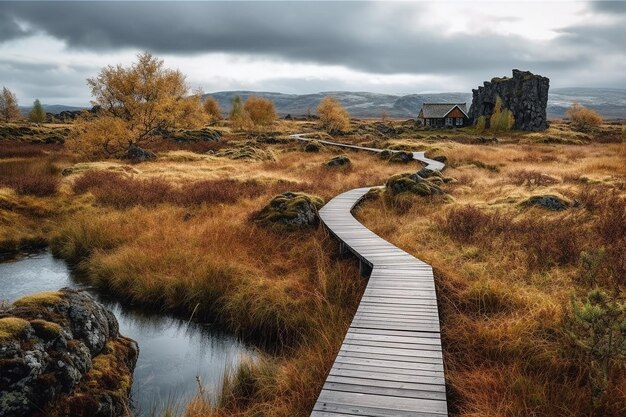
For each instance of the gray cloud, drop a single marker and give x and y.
(356, 35)
(368, 37)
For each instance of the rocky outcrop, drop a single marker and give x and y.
(137, 154)
(61, 354)
(548, 202)
(338, 161)
(291, 210)
(423, 183)
(526, 95)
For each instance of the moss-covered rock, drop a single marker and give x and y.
(52, 347)
(401, 157)
(548, 202)
(413, 183)
(246, 152)
(313, 146)
(291, 210)
(339, 161)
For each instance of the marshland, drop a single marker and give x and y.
(166, 252)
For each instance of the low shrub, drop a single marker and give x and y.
(531, 178)
(582, 118)
(117, 190)
(37, 177)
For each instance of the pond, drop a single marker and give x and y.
(173, 353)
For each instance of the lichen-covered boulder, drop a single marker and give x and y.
(401, 157)
(548, 202)
(338, 161)
(313, 146)
(137, 154)
(414, 183)
(291, 210)
(61, 352)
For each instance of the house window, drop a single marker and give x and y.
(459, 121)
(448, 121)
(427, 122)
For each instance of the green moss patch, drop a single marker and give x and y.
(38, 299)
(290, 209)
(12, 328)
(415, 184)
(45, 329)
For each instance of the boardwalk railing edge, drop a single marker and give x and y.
(390, 362)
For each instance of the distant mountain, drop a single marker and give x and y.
(609, 102)
(52, 108)
(358, 104)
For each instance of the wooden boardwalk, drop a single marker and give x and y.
(390, 362)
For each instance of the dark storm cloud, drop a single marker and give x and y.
(363, 36)
(610, 6)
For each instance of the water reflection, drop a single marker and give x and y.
(173, 352)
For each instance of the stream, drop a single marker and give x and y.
(172, 351)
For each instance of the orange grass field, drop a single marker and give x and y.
(177, 234)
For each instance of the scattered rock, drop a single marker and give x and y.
(339, 161)
(246, 152)
(548, 202)
(401, 157)
(482, 140)
(526, 95)
(185, 136)
(61, 352)
(268, 139)
(292, 210)
(137, 154)
(414, 183)
(313, 146)
(440, 158)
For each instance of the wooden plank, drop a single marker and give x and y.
(390, 363)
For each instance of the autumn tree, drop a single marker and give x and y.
(583, 119)
(136, 103)
(239, 119)
(333, 116)
(37, 114)
(212, 109)
(9, 110)
(501, 119)
(260, 111)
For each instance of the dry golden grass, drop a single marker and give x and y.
(503, 288)
(505, 274)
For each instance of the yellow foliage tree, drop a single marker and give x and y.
(239, 119)
(583, 119)
(144, 100)
(9, 110)
(212, 109)
(501, 119)
(104, 135)
(333, 116)
(260, 111)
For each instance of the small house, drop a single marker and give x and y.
(444, 115)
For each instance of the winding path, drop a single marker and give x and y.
(390, 362)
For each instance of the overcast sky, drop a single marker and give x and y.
(48, 49)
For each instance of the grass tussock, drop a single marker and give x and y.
(120, 191)
(175, 234)
(506, 276)
(36, 177)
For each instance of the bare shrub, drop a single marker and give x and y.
(583, 119)
(532, 178)
(37, 177)
(333, 116)
(260, 111)
(212, 109)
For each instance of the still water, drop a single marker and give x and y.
(172, 352)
